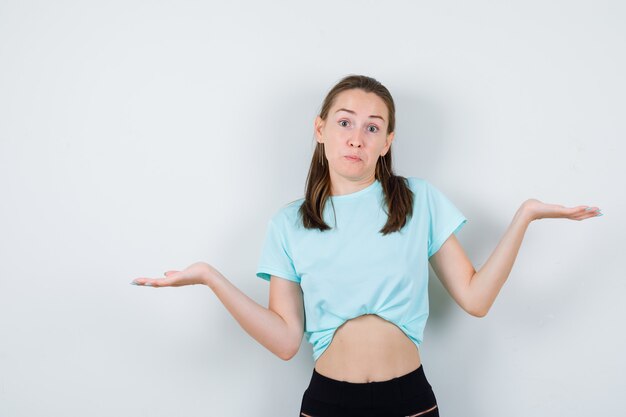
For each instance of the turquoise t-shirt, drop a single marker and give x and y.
(353, 269)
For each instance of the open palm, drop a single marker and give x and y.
(539, 210)
(195, 273)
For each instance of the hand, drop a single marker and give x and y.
(536, 209)
(197, 273)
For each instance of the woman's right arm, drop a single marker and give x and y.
(279, 327)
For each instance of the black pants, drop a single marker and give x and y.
(405, 396)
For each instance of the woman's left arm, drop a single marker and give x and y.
(476, 291)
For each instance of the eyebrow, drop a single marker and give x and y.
(353, 112)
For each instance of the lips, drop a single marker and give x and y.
(352, 157)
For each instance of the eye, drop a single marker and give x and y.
(375, 129)
(341, 121)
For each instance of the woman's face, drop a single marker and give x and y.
(356, 126)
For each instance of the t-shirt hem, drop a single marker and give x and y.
(266, 273)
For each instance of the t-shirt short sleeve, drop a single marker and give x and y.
(275, 256)
(445, 218)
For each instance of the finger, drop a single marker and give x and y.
(146, 282)
(174, 279)
(164, 282)
(584, 209)
(592, 212)
(585, 212)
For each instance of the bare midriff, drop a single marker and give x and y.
(368, 348)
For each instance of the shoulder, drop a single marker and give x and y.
(418, 184)
(287, 214)
(425, 192)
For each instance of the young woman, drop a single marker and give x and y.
(347, 265)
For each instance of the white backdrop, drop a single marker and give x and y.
(139, 136)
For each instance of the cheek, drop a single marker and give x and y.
(334, 130)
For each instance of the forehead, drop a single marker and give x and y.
(361, 102)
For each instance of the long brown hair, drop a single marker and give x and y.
(398, 195)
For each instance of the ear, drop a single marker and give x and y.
(389, 141)
(318, 126)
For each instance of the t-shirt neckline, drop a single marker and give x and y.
(356, 194)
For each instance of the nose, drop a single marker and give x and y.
(356, 140)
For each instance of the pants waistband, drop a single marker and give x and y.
(406, 387)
